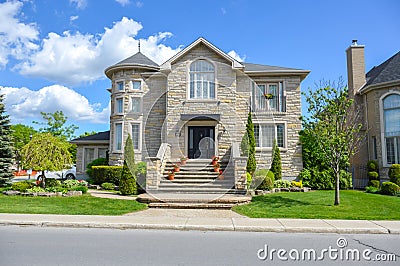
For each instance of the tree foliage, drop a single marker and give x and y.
(333, 124)
(6, 152)
(276, 165)
(54, 123)
(46, 152)
(251, 160)
(21, 135)
(127, 185)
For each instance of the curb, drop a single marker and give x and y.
(225, 224)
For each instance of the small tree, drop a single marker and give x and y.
(276, 165)
(21, 135)
(46, 152)
(127, 184)
(334, 124)
(251, 160)
(6, 152)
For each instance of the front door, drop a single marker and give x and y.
(201, 142)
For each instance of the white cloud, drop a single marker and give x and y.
(73, 58)
(16, 38)
(72, 18)
(122, 2)
(139, 4)
(236, 56)
(80, 4)
(22, 103)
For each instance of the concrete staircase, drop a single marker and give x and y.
(196, 185)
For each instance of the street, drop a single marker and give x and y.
(70, 246)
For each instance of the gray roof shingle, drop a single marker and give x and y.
(101, 136)
(249, 67)
(385, 72)
(137, 59)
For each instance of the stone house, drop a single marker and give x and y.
(377, 94)
(196, 105)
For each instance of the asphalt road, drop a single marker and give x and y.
(69, 246)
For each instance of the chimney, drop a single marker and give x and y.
(355, 67)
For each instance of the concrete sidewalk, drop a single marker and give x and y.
(207, 221)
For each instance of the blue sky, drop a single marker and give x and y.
(53, 53)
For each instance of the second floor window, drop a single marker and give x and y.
(269, 97)
(119, 105)
(136, 104)
(202, 80)
(120, 85)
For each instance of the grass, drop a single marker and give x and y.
(354, 205)
(82, 205)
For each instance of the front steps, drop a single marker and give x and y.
(196, 185)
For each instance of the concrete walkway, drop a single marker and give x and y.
(203, 220)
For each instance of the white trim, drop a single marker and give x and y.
(382, 126)
(131, 104)
(140, 134)
(131, 89)
(116, 85)
(274, 123)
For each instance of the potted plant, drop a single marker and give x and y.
(183, 160)
(177, 167)
(220, 175)
(171, 175)
(215, 160)
(268, 96)
(216, 167)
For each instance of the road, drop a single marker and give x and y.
(71, 246)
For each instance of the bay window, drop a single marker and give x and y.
(391, 119)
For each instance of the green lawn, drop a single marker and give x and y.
(82, 205)
(355, 205)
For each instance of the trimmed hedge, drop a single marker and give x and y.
(96, 162)
(373, 176)
(374, 183)
(372, 166)
(394, 174)
(390, 188)
(107, 174)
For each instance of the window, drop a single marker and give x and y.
(120, 85)
(136, 85)
(374, 148)
(136, 104)
(266, 134)
(102, 153)
(119, 105)
(135, 135)
(202, 80)
(391, 118)
(269, 97)
(89, 156)
(118, 136)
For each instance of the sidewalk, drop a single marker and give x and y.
(202, 220)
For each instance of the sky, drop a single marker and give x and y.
(53, 52)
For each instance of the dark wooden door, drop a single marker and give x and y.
(201, 142)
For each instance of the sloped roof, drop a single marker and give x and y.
(386, 72)
(250, 68)
(137, 60)
(99, 137)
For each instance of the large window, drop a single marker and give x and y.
(89, 156)
(118, 136)
(136, 104)
(266, 134)
(269, 97)
(119, 105)
(135, 135)
(202, 80)
(391, 118)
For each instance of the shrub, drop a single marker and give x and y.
(57, 189)
(394, 174)
(267, 183)
(141, 169)
(390, 188)
(276, 165)
(374, 183)
(97, 162)
(282, 183)
(70, 183)
(372, 166)
(297, 184)
(52, 182)
(108, 186)
(316, 179)
(22, 186)
(127, 184)
(345, 180)
(83, 183)
(373, 175)
(249, 179)
(35, 190)
(371, 189)
(305, 174)
(106, 174)
(261, 172)
(81, 188)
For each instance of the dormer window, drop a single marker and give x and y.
(202, 80)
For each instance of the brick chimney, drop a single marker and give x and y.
(355, 67)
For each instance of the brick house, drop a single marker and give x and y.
(377, 94)
(196, 105)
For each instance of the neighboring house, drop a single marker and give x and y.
(377, 94)
(196, 105)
